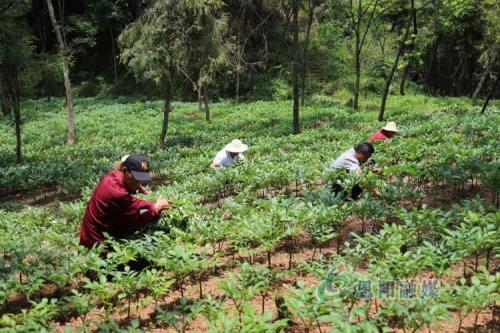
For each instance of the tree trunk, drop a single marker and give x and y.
(113, 54)
(357, 60)
(237, 85)
(306, 44)
(481, 83)
(4, 101)
(15, 94)
(67, 82)
(493, 87)
(200, 98)
(403, 80)
(17, 119)
(166, 111)
(391, 73)
(12, 91)
(359, 42)
(238, 72)
(205, 99)
(295, 14)
(415, 31)
(284, 33)
(433, 73)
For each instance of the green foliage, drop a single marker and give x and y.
(239, 226)
(35, 319)
(158, 43)
(19, 70)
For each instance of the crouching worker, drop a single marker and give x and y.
(386, 132)
(230, 154)
(351, 161)
(113, 207)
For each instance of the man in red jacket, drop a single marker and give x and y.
(113, 209)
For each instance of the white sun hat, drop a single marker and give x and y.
(236, 146)
(391, 127)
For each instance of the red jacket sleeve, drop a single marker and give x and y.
(136, 212)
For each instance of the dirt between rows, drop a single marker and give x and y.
(487, 320)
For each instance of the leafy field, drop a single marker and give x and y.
(262, 247)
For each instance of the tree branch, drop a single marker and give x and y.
(368, 26)
(365, 9)
(255, 29)
(189, 78)
(425, 5)
(6, 7)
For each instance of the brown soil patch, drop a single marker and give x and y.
(192, 115)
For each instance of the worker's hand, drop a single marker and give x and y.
(376, 170)
(144, 190)
(214, 165)
(163, 204)
(377, 192)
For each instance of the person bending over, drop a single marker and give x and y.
(229, 155)
(113, 207)
(351, 161)
(387, 132)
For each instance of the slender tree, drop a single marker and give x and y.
(490, 10)
(406, 69)
(361, 16)
(156, 47)
(311, 5)
(248, 23)
(296, 66)
(485, 76)
(492, 90)
(388, 81)
(110, 17)
(4, 101)
(65, 68)
(18, 68)
(208, 54)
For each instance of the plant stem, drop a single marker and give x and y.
(476, 261)
(128, 309)
(488, 253)
(319, 327)
(475, 320)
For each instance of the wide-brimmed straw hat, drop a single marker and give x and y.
(236, 146)
(391, 127)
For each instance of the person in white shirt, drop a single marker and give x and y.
(351, 160)
(230, 154)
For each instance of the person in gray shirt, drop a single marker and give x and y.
(351, 161)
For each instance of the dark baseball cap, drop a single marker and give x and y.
(138, 167)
